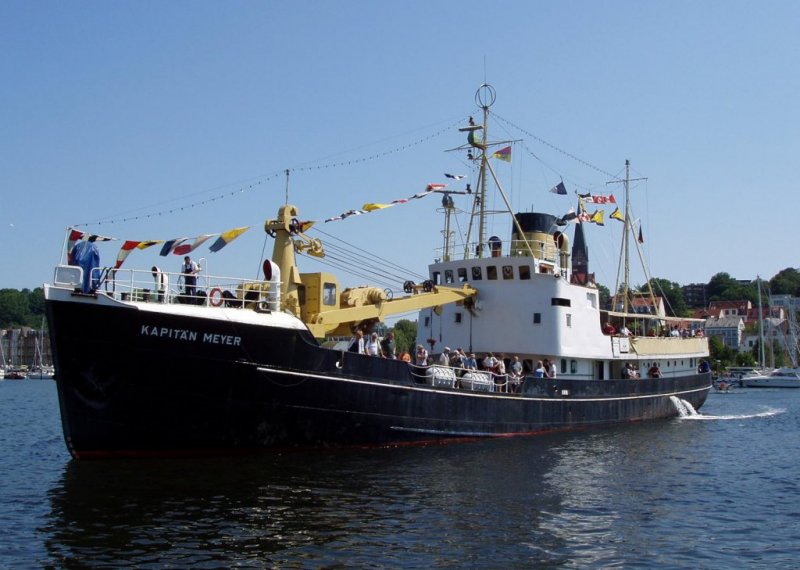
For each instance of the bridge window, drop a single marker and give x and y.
(537, 318)
(525, 272)
(462, 274)
(448, 276)
(573, 366)
(591, 298)
(560, 302)
(508, 272)
(458, 317)
(491, 273)
(329, 294)
(437, 278)
(476, 273)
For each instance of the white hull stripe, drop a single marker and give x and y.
(494, 395)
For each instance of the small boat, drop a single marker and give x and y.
(244, 363)
(785, 377)
(16, 374)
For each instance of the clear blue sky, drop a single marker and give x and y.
(117, 110)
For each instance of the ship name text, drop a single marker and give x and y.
(190, 335)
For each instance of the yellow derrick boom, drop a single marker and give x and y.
(342, 321)
(315, 298)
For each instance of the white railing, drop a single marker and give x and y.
(142, 286)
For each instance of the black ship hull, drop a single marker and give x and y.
(133, 382)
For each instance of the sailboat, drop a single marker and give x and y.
(244, 364)
(785, 376)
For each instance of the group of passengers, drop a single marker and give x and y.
(373, 346)
(631, 372)
(507, 373)
(672, 332)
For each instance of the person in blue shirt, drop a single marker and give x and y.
(85, 255)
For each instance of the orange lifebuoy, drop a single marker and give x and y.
(215, 297)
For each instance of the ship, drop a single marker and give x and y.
(242, 365)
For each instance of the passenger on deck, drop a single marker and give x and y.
(624, 331)
(550, 368)
(489, 362)
(470, 363)
(457, 358)
(538, 372)
(421, 356)
(161, 281)
(444, 357)
(500, 378)
(373, 346)
(654, 371)
(86, 255)
(357, 342)
(387, 346)
(626, 371)
(515, 375)
(190, 269)
(609, 329)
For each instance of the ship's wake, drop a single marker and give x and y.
(687, 412)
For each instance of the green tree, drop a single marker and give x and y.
(21, 308)
(719, 352)
(786, 282)
(718, 284)
(673, 295)
(405, 335)
(605, 296)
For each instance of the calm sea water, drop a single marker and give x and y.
(718, 491)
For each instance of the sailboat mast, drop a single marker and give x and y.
(760, 326)
(628, 228)
(482, 185)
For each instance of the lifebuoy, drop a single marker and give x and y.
(215, 297)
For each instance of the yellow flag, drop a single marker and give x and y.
(373, 207)
(617, 215)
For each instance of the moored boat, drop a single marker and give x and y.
(240, 365)
(785, 377)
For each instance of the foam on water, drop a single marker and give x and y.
(765, 414)
(687, 412)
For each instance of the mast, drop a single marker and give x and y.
(485, 97)
(628, 227)
(482, 177)
(448, 205)
(760, 326)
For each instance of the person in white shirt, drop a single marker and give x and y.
(162, 283)
(421, 356)
(373, 346)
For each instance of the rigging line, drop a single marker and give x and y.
(347, 268)
(238, 190)
(369, 269)
(358, 262)
(437, 133)
(383, 260)
(257, 181)
(552, 146)
(357, 258)
(553, 169)
(377, 155)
